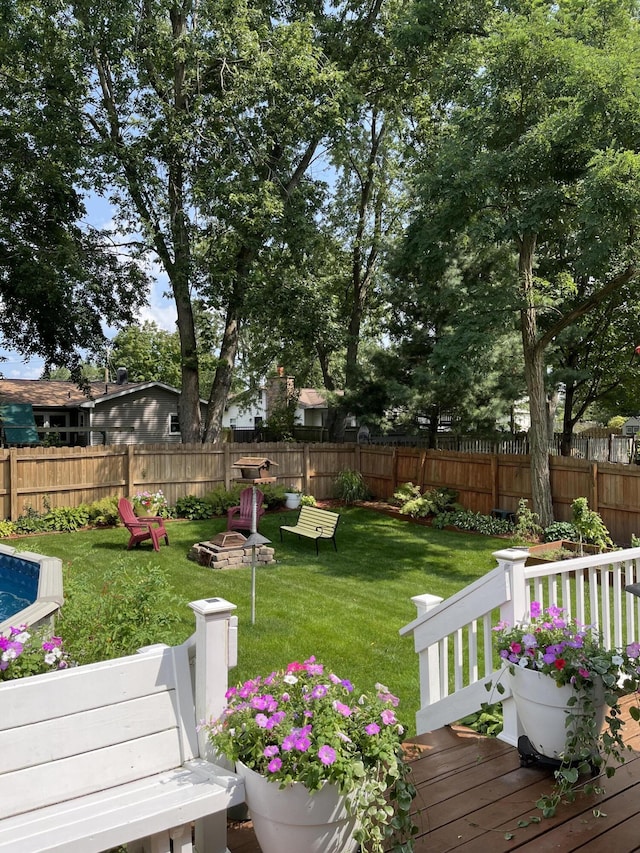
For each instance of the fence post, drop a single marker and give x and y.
(495, 496)
(593, 503)
(129, 474)
(13, 483)
(226, 453)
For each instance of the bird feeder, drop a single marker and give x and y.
(255, 470)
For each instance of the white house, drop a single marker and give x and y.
(311, 407)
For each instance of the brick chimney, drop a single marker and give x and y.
(280, 390)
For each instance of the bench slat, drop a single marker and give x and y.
(110, 818)
(45, 784)
(87, 687)
(51, 740)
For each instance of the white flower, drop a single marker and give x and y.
(618, 660)
(22, 638)
(290, 678)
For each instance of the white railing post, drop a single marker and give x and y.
(429, 660)
(216, 650)
(216, 637)
(514, 609)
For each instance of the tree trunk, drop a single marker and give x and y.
(534, 375)
(228, 349)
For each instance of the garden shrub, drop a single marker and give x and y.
(135, 608)
(67, 518)
(473, 521)
(432, 502)
(31, 521)
(308, 500)
(349, 486)
(273, 495)
(221, 499)
(7, 528)
(104, 513)
(560, 530)
(590, 526)
(528, 527)
(193, 508)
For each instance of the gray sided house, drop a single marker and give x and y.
(110, 413)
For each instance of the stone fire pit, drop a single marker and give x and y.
(229, 551)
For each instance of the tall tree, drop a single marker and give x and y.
(59, 281)
(538, 153)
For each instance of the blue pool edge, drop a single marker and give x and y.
(50, 592)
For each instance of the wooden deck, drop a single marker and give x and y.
(473, 794)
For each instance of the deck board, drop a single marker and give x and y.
(472, 793)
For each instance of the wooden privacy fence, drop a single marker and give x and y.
(484, 481)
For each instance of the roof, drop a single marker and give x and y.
(311, 399)
(60, 393)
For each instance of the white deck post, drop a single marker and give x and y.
(429, 660)
(515, 609)
(216, 650)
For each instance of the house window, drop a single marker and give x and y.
(257, 421)
(174, 424)
(233, 422)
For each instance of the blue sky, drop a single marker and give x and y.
(161, 309)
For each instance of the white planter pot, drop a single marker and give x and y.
(542, 708)
(292, 500)
(294, 820)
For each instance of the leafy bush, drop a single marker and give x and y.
(405, 493)
(221, 499)
(349, 486)
(193, 508)
(418, 505)
(273, 495)
(560, 530)
(104, 513)
(528, 527)
(308, 500)
(31, 521)
(487, 721)
(135, 608)
(7, 528)
(67, 518)
(590, 526)
(474, 521)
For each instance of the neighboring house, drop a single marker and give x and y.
(114, 412)
(311, 406)
(631, 426)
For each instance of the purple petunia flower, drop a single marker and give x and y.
(327, 754)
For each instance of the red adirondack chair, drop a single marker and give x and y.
(239, 517)
(150, 527)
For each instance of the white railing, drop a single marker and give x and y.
(453, 637)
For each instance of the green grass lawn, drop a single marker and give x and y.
(345, 608)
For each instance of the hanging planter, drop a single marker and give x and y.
(293, 819)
